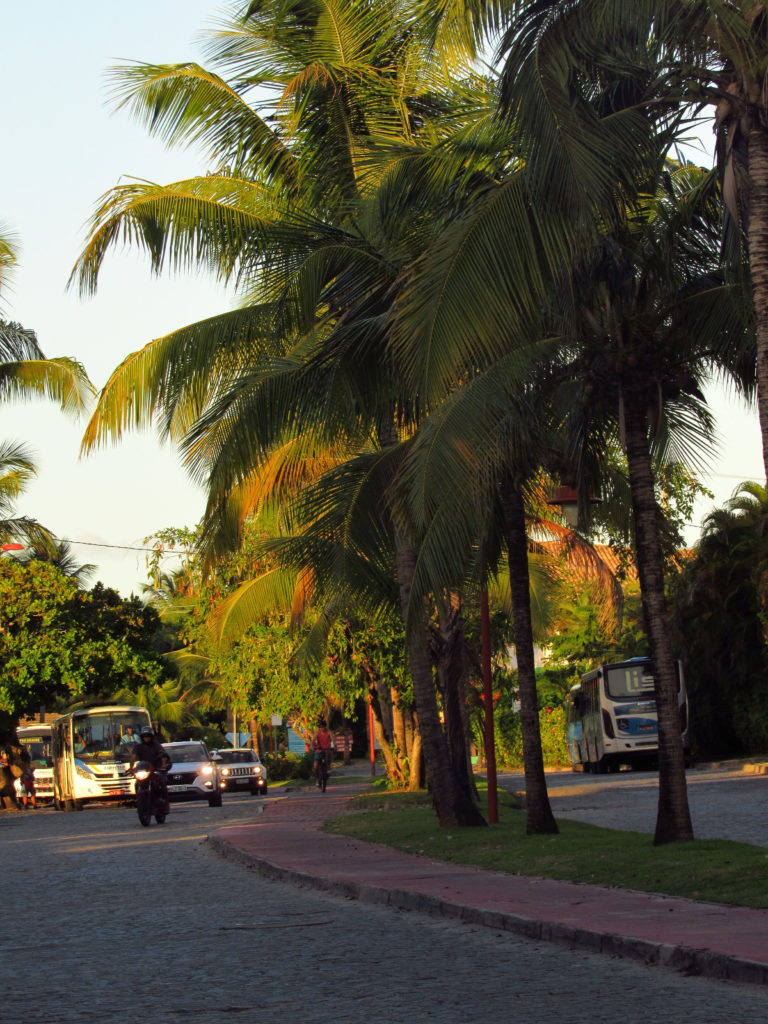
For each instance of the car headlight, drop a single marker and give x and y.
(207, 769)
(224, 771)
(259, 770)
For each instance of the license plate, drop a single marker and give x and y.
(178, 789)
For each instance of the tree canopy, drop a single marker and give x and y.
(60, 643)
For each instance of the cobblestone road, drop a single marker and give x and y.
(105, 921)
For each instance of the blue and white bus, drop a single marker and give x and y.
(92, 752)
(611, 717)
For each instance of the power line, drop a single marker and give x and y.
(123, 547)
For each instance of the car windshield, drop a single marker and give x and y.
(236, 756)
(189, 753)
(630, 681)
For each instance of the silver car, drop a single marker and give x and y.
(241, 769)
(193, 774)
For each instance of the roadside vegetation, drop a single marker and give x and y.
(465, 286)
(715, 870)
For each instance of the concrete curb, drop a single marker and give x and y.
(685, 959)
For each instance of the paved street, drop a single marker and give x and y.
(724, 804)
(105, 920)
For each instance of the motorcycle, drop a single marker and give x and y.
(151, 799)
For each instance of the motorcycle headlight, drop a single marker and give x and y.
(141, 774)
(207, 769)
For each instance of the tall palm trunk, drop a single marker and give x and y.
(539, 817)
(453, 673)
(757, 240)
(673, 821)
(453, 803)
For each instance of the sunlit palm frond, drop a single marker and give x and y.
(223, 223)
(172, 380)
(272, 593)
(61, 380)
(185, 103)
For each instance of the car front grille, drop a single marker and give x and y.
(175, 778)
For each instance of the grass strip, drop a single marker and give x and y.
(715, 870)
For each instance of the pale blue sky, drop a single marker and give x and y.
(63, 148)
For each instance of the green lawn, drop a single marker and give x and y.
(707, 869)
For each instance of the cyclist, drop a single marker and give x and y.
(322, 744)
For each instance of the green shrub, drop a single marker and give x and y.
(282, 767)
(509, 739)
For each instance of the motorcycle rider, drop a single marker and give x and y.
(149, 749)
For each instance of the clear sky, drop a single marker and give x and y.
(63, 148)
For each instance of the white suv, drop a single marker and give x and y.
(241, 769)
(193, 774)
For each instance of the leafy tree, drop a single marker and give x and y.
(58, 643)
(581, 637)
(719, 604)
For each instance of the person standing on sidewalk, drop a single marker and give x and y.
(27, 787)
(14, 758)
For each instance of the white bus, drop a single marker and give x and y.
(36, 740)
(611, 717)
(91, 754)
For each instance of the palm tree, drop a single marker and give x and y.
(168, 704)
(16, 470)
(691, 56)
(62, 556)
(8, 253)
(637, 322)
(645, 348)
(297, 203)
(24, 369)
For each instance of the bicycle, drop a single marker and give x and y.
(321, 771)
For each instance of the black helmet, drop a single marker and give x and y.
(146, 730)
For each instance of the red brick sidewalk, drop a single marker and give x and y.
(286, 843)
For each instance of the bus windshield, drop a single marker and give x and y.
(38, 746)
(629, 681)
(101, 736)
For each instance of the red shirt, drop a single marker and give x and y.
(323, 739)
